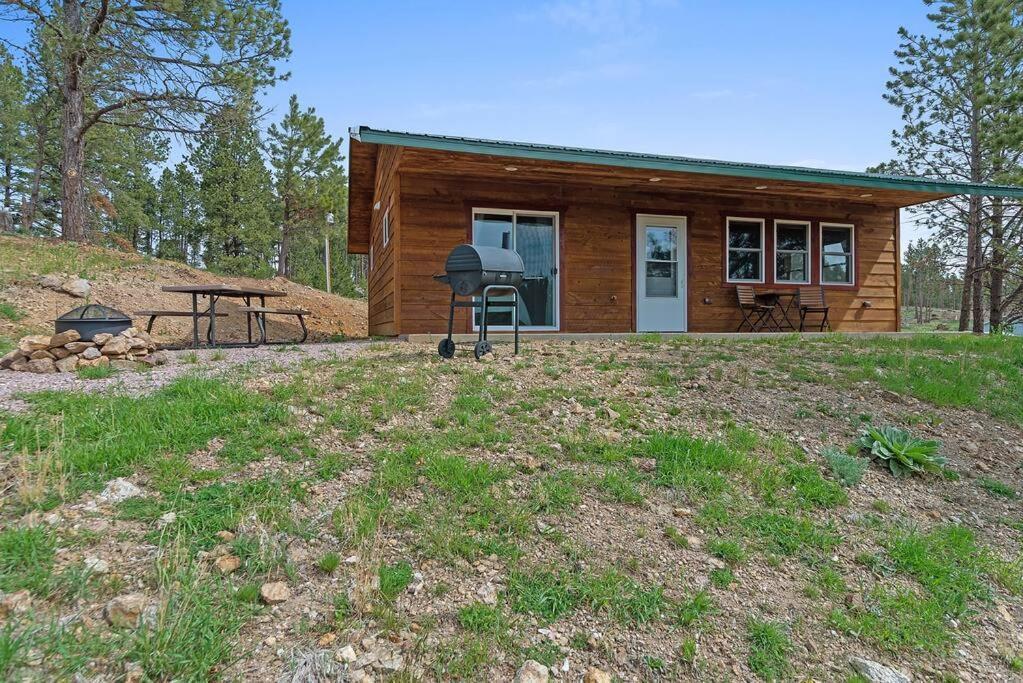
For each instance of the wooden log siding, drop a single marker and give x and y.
(384, 305)
(597, 268)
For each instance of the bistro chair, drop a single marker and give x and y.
(755, 314)
(811, 300)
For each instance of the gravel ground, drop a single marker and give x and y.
(15, 384)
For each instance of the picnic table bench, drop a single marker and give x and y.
(214, 293)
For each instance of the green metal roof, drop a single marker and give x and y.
(659, 162)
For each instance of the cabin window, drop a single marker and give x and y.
(385, 225)
(837, 254)
(745, 239)
(792, 252)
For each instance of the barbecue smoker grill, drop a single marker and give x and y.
(473, 271)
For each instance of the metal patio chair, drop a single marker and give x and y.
(811, 300)
(755, 314)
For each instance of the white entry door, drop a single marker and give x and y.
(660, 273)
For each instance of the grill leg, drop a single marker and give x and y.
(483, 323)
(516, 322)
(451, 315)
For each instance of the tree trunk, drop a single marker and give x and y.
(28, 212)
(72, 161)
(283, 262)
(977, 284)
(964, 303)
(997, 262)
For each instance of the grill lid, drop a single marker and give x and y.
(469, 257)
(94, 312)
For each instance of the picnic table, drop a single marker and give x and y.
(214, 293)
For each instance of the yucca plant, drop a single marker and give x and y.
(904, 453)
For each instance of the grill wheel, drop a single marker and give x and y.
(446, 348)
(481, 349)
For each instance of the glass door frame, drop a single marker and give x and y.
(556, 215)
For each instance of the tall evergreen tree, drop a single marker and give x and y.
(13, 137)
(303, 158)
(158, 66)
(236, 194)
(179, 216)
(960, 92)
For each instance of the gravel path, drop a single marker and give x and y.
(14, 384)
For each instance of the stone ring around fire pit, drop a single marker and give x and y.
(67, 351)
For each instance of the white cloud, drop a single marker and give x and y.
(602, 17)
(603, 72)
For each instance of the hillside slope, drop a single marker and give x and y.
(130, 282)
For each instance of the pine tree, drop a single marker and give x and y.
(157, 66)
(236, 194)
(960, 92)
(179, 216)
(13, 140)
(303, 158)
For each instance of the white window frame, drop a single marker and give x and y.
(809, 249)
(371, 258)
(557, 261)
(728, 249)
(852, 253)
(385, 224)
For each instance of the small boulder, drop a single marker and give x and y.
(595, 675)
(93, 363)
(91, 353)
(68, 364)
(97, 565)
(42, 366)
(154, 359)
(123, 364)
(78, 288)
(227, 564)
(51, 281)
(79, 346)
(59, 352)
(125, 611)
(65, 337)
(40, 354)
(347, 654)
(101, 338)
(116, 346)
(225, 536)
(33, 342)
(274, 593)
(532, 672)
(119, 489)
(15, 603)
(8, 359)
(877, 673)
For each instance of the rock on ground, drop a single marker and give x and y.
(532, 672)
(595, 675)
(78, 288)
(275, 592)
(125, 611)
(877, 673)
(119, 489)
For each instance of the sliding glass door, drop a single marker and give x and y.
(534, 235)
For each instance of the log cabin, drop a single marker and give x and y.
(617, 242)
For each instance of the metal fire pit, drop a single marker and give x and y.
(92, 319)
(473, 271)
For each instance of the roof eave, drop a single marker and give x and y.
(607, 158)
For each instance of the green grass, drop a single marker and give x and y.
(329, 563)
(10, 312)
(481, 619)
(550, 594)
(96, 371)
(769, 648)
(695, 610)
(101, 437)
(697, 465)
(555, 493)
(997, 488)
(964, 371)
(728, 550)
(623, 485)
(394, 578)
(26, 559)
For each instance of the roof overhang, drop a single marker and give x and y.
(890, 190)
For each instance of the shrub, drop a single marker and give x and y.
(847, 469)
(903, 452)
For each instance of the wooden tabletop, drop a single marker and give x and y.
(223, 290)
